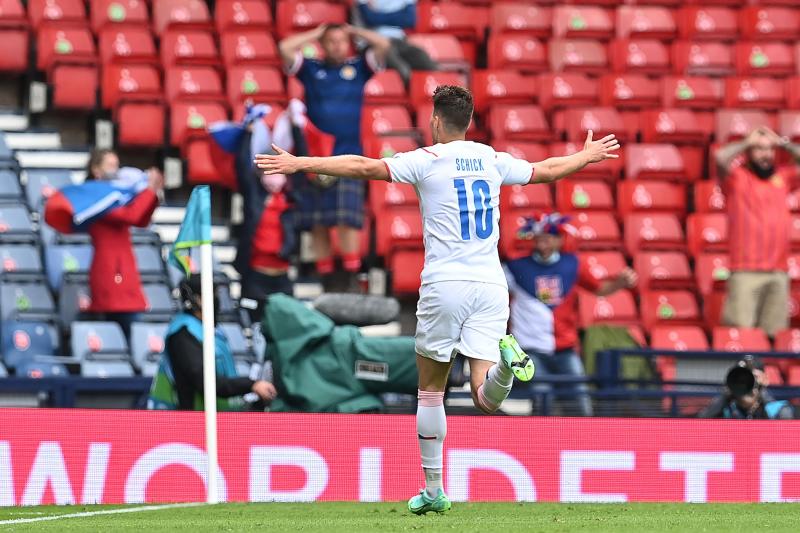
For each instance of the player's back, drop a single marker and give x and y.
(458, 184)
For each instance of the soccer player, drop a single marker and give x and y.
(463, 304)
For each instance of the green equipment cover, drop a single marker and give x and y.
(320, 367)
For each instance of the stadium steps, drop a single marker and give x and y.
(33, 140)
(13, 121)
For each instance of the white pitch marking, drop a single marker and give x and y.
(96, 513)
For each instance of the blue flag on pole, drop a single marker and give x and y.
(195, 229)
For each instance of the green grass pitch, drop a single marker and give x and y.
(478, 517)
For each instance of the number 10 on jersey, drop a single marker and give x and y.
(482, 199)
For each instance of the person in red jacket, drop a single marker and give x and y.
(114, 281)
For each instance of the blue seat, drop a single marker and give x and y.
(147, 344)
(100, 341)
(6, 157)
(20, 260)
(67, 260)
(10, 189)
(16, 224)
(42, 369)
(3, 371)
(106, 369)
(73, 301)
(149, 261)
(238, 342)
(160, 305)
(23, 341)
(21, 300)
(41, 183)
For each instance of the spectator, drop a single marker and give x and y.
(758, 229)
(334, 89)
(114, 282)
(746, 395)
(543, 304)
(178, 383)
(390, 18)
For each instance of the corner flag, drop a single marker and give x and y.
(195, 229)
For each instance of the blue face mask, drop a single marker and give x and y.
(554, 257)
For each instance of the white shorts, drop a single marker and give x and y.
(468, 317)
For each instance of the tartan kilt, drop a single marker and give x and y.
(341, 204)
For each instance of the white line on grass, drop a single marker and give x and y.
(95, 513)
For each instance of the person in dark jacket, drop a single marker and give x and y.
(179, 381)
(114, 282)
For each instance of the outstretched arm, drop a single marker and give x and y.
(344, 166)
(294, 43)
(377, 42)
(556, 168)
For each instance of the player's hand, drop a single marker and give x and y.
(773, 137)
(753, 136)
(601, 149)
(155, 179)
(265, 390)
(628, 278)
(282, 162)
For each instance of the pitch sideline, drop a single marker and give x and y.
(143, 508)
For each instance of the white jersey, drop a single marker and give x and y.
(458, 185)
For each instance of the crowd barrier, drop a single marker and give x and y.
(70, 456)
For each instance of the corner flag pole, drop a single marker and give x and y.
(209, 369)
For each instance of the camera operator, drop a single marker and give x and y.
(746, 396)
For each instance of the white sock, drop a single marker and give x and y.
(496, 388)
(431, 430)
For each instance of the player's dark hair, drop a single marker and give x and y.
(330, 27)
(453, 105)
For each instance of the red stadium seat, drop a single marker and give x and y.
(140, 124)
(711, 272)
(377, 147)
(793, 268)
(450, 17)
(672, 126)
(424, 83)
(385, 195)
(522, 17)
(575, 195)
(201, 167)
(527, 198)
(56, 13)
(769, 23)
(643, 56)
(180, 15)
(566, 89)
(794, 233)
(735, 124)
(789, 124)
(601, 120)
(127, 45)
(401, 227)
(649, 22)
(294, 16)
(618, 308)
(64, 45)
(663, 270)
(406, 267)
(239, 14)
(652, 231)
(442, 48)
(692, 92)
(518, 52)
(707, 232)
(582, 22)
(14, 36)
(519, 123)
(251, 47)
(629, 91)
(117, 12)
(192, 118)
(708, 22)
(699, 58)
(788, 340)
(511, 246)
(135, 82)
(764, 59)
(669, 307)
(501, 86)
(193, 83)
(12, 14)
(188, 47)
(739, 340)
(757, 93)
(708, 197)
(678, 338)
(380, 120)
(603, 265)
(577, 56)
(528, 151)
(260, 83)
(74, 86)
(384, 87)
(596, 230)
(651, 197)
(713, 305)
(654, 161)
(607, 170)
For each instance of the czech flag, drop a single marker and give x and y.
(226, 141)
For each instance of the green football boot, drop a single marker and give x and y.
(514, 358)
(423, 504)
